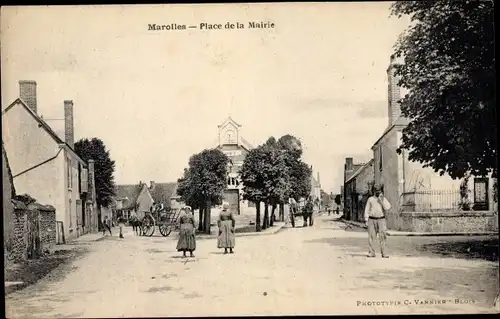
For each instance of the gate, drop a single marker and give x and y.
(60, 233)
(34, 247)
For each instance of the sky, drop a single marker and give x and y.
(156, 97)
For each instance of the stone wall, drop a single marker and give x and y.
(449, 222)
(46, 215)
(47, 228)
(8, 193)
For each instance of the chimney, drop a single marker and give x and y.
(394, 93)
(349, 164)
(152, 185)
(27, 93)
(68, 123)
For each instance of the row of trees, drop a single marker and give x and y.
(271, 174)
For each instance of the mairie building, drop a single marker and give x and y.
(231, 143)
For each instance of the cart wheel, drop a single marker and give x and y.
(165, 230)
(148, 226)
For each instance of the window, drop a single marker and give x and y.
(79, 178)
(70, 177)
(70, 215)
(380, 157)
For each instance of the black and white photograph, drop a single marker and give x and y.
(249, 159)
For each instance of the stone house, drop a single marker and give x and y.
(46, 167)
(358, 188)
(411, 188)
(133, 199)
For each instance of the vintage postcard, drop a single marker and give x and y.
(260, 159)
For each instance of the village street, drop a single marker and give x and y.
(316, 270)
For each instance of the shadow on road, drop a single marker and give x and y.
(475, 249)
(462, 247)
(53, 266)
(464, 283)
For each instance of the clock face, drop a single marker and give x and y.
(230, 136)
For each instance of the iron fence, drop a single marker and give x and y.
(430, 200)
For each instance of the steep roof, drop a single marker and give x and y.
(229, 119)
(400, 122)
(358, 168)
(128, 193)
(246, 144)
(44, 125)
(162, 192)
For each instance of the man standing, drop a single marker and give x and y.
(375, 209)
(308, 212)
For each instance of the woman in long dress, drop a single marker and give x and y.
(187, 240)
(226, 226)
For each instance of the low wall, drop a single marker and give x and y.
(456, 221)
(24, 219)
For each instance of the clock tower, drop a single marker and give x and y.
(229, 132)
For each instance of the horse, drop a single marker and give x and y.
(136, 225)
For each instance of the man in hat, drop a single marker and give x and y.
(375, 209)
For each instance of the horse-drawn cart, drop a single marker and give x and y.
(300, 209)
(296, 210)
(165, 219)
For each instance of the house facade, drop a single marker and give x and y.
(412, 188)
(44, 165)
(133, 199)
(358, 188)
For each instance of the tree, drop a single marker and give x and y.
(300, 172)
(104, 168)
(190, 197)
(449, 70)
(204, 182)
(253, 180)
(276, 179)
